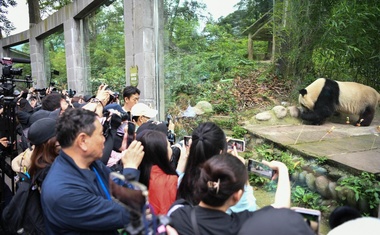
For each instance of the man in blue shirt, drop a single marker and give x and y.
(75, 194)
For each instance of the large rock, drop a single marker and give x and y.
(322, 186)
(310, 181)
(294, 111)
(302, 178)
(264, 116)
(280, 111)
(203, 107)
(333, 192)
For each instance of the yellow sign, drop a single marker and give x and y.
(134, 74)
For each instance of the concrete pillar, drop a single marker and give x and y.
(144, 48)
(77, 73)
(37, 59)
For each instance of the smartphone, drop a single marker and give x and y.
(260, 169)
(312, 217)
(186, 140)
(239, 144)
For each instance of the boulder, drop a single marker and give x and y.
(322, 186)
(280, 111)
(202, 107)
(294, 111)
(310, 181)
(264, 116)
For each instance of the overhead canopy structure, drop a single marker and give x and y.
(260, 31)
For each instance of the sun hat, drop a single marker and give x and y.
(141, 109)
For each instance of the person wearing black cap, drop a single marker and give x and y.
(42, 134)
(221, 185)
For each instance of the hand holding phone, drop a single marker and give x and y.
(258, 168)
(239, 144)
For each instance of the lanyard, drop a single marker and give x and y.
(101, 183)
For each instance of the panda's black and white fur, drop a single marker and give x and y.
(322, 98)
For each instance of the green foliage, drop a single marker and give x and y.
(321, 160)
(107, 47)
(5, 25)
(335, 39)
(268, 153)
(225, 124)
(365, 186)
(257, 180)
(238, 132)
(303, 197)
(54, 46)
(353, 57)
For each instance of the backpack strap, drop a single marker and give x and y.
(194, 222)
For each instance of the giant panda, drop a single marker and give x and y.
(322, 98)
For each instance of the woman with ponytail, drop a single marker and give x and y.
(208, 140)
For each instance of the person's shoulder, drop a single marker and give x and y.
(363, 225)
(180, 206)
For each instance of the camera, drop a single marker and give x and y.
(239, 144)
(258, 168)
(71, 93)
(171, 137)
(113, 95)
(186, 140)
(125, 117)
(312, 217)
(8, 71)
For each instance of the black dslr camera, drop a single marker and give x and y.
(170, 135)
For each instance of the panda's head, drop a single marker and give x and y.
(309, 95)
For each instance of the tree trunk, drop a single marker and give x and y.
(34, 13)
(250, 47)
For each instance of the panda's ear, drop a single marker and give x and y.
(303, 92)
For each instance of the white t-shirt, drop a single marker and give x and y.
(363, 225)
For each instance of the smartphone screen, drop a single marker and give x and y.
(312, 217)
(260, 169)
(239, 144)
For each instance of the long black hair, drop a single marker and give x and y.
(208, 140)
(155, 153)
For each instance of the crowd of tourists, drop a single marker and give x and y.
(104, 165)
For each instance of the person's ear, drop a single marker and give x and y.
(82, 141)
(237, 195)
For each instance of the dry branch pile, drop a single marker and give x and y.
(250, 92)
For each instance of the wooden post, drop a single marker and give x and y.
(250, 47)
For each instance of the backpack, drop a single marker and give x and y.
(24, 215)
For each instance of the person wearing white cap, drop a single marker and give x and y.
(141, 113)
